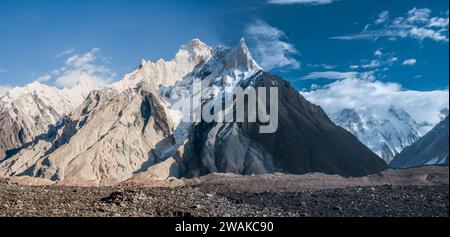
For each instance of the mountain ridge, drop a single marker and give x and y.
(131, 127)
(386, 132)
(431, 149)
(30, 111)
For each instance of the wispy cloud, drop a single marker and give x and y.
(3, 70)
(78, 67)
(417, 23)
(322, 65)
(410, 62)
(380, 61)
(424, 106)
(65, 52)
(332, 75)
(382, 17)
(270, 47)
(378, 53)
(309, 2)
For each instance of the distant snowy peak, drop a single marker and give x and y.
(61, 100)
(33, 110)
(386, 132)
(32, 88)
(221, 66)
(164, 72)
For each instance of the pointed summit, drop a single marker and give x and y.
(196, 47)
(242, 45)
(241, 58)
(142, 64)
(196, 43)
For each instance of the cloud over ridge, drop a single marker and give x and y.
(270, 46)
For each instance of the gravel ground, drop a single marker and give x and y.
(384, 200)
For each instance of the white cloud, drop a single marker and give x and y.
(270, 49)
(372, 64)
(423, 33)
(78, 67)
(332, 75)
(322, 65)
(315, 86)
(49, 76)
(4, 89)
(65, 52)
(418, 15)
(410, 62)
(423, 106)
(382, 17)
(81, 60)
(392, 59)
(438, 22)
(416, 24)
(378, 53)
(381, 60)
(327, 66)
(309, 2)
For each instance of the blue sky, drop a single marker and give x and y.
(309, 42)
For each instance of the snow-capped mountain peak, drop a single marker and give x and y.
(386, 132)
(132, 126)
(164, 72)
(17, 92)
(241, 59)
(32, 110)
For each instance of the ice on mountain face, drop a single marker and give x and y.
(224, 70)
(218, 71)
(132, 125)
(166, 73)
(35, 109)
(237, 63)
(431, 149)
(40, 102)
(386, 132)
(61, 100)
(438, 160)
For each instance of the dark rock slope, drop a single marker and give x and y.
(431, 149)
(306, 141)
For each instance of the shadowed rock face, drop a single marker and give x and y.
(306, 141)
(130, 129)
(29, 112)
(18, 127)
(431, 149)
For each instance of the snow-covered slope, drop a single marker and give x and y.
(166, 73)
(130, 126)
(29, 111)
(384, 131)
(133, 126)
(431, 149)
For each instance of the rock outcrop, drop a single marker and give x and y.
(134, 128)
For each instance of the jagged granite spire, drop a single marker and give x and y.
(241, 59)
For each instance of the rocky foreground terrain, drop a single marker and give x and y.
(412, 192)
